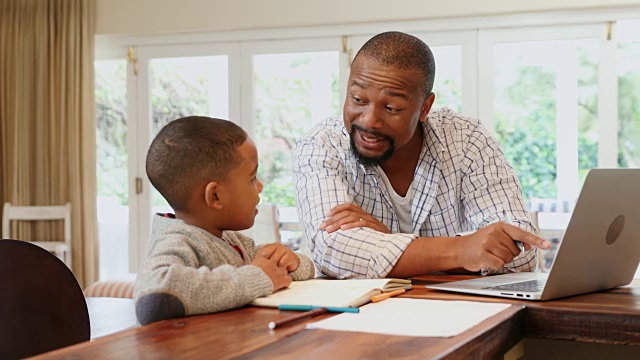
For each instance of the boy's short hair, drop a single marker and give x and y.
(191, 151)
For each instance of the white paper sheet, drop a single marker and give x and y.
(413, 317)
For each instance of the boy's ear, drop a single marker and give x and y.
(211, 195)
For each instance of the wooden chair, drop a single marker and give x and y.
(42, 307)
(62, 248)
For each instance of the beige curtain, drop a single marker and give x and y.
(47, 120)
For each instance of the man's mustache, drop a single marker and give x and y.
(355, 127)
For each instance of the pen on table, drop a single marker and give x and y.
(507, 218)
(309, 311)
(315, 312)
(311, 307)
(387, 295)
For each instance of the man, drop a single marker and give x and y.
(385, 190)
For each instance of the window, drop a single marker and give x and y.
(560, 99)
(292, 89)
(448, 81)
(629, 93)
(543, 103)
(182, 87)
(112, 166)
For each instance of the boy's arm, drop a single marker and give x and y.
(171, 283)
(305, 270)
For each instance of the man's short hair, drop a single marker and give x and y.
(191, 151)
(403, 51)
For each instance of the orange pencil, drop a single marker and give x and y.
(383, 296)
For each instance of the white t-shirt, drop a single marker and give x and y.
(402, 205)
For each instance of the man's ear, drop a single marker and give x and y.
(426, 106)
(211, 196)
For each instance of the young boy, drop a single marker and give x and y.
(196, 262)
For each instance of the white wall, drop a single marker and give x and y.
(139, 17)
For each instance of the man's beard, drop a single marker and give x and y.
(371, 161)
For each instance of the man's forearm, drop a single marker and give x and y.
(427, 255)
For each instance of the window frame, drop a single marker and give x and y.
(474, 33)
(566, 151)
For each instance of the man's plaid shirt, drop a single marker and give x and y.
(462, 182)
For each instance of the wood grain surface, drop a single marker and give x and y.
(611, 317)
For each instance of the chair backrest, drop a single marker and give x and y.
(42, 307)
(266, 228)
(62, 249)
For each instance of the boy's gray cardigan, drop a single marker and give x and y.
(188, 271)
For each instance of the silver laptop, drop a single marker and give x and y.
(599, 250)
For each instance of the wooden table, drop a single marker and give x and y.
(605, 317)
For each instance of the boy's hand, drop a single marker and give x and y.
(278, 275)
(282, 255)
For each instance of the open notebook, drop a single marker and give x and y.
(331, 293)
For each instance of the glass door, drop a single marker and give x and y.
(541, 97)
(173, 82)
(113, 114)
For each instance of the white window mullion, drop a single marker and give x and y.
(247, 98)
(485, 86)
(608, 104)
(320, 99)
(235, 81)
(567, 122)
(470, 75)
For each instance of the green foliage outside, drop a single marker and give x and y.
(526, 127)
(448, 94)
(282, 113)
(111, 130)
(629, 107)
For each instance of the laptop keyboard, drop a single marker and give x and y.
(524, 286)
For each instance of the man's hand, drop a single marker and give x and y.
(493, 246)
(349, 216)
(279, 275)
(281, 255)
